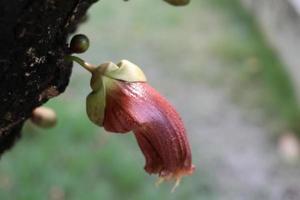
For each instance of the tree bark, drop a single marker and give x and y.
(33, 40)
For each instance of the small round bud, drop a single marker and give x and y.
(43, 117)
(178, 2)
(79, 43)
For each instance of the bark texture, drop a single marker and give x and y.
(33, 40)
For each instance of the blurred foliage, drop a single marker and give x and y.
(259, 68)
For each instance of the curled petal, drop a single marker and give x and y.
(126, 71)
(158, 128)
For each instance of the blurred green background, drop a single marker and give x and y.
(210, 60)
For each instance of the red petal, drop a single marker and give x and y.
(158, 128)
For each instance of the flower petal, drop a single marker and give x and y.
(157, 126)
(127, 71)
(95, 106)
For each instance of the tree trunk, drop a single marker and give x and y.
(33, 40)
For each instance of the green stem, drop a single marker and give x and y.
(81, 62)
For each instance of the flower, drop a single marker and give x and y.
(123, 101)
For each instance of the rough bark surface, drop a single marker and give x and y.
(33, 40)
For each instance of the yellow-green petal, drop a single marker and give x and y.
(95, 105)
(126, 71)
(97, 75)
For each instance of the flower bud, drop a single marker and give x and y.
(79, 43)
(178, 2)
(43, 117)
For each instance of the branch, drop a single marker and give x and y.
(33, 42)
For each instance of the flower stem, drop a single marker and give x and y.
(81, 62)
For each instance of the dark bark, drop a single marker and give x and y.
(33, 38)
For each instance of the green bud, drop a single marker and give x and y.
(178, 2)
(79, 43)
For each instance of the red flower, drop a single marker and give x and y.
(122, 101)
